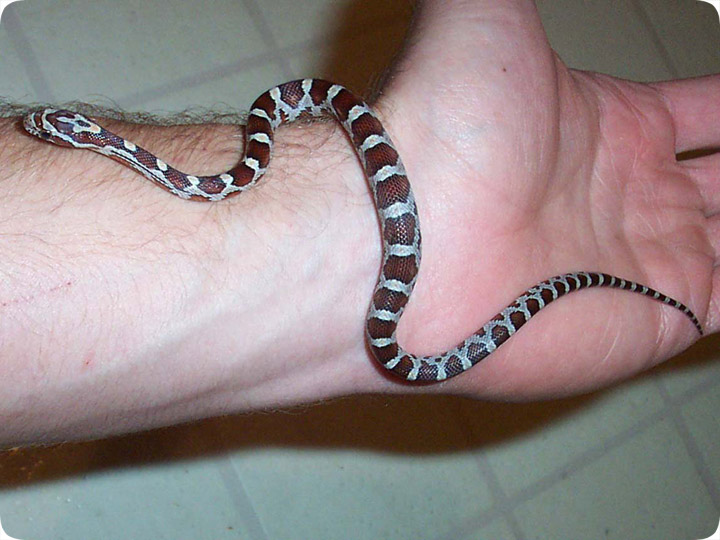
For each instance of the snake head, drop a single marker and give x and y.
(61, 127)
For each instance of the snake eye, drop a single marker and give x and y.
(44, 134)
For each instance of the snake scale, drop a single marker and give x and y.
(394, 202)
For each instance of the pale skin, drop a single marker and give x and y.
(125, 308)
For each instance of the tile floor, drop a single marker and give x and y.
(639, 461)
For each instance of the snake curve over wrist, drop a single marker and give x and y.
(394, 202)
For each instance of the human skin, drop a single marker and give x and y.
(125, 308)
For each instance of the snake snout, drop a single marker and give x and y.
(48, 125)
(31, 123)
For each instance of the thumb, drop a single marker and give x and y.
(454, 37)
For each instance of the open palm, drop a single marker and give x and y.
(524, 169)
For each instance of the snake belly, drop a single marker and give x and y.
(394, 203)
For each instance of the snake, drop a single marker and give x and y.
(394, 203)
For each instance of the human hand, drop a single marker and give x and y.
(524, 169)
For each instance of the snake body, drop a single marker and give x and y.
(394, 202)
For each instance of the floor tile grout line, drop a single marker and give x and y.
(663, 52)
(572, 466)
(691, 446)
(244, 506)
(272, 53)
(215, 73)
(26, 54)
(594, 453)
(196, 79)
(475, 523)
(271, 43)
(502, 506)
(499, 507)
(707, 385)
(588, 457)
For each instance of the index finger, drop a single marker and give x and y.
(695, 108)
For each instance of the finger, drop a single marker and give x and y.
(694, 105)
(705, 173)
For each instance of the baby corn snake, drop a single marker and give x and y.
(394, 202)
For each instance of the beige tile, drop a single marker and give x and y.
(324, 494)
(14, 82)
(113, 48)
(610, 37)
(644, 489)
(380, 469)
(534, 442)
(236, 91)
(690, 34)
(694, 369)
(498, 529)
(162, 500)
(702, 416)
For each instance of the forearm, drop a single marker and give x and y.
(125, 307)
